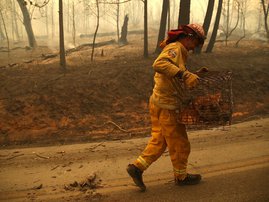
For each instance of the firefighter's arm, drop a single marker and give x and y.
(168, 62)
(190, 79)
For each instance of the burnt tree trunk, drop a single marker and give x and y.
(208, 16)
(162, 25)
(47, 22)
(184, 12)
(215, 29)
(61, 31)
(207, 21)
(124, 31)
(5, 29)
(52, 21)
(145, 28)
(117, 19)
(73, 24)
(27, 24)
(2, 35)
(265, 12)
(96, 30)
(168, 16)
(14, 21)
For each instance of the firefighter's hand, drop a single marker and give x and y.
(202, 69)
(191, 80)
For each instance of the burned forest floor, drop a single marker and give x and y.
(108, 98)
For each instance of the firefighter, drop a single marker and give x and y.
(165, 106)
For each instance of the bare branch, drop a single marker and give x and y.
(238, 11)
(38, 5)
(114, 2)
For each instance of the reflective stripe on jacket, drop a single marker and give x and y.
(171, 61)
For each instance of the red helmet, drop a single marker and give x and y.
(197, 29)
(194, 29)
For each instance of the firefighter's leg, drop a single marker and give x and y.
(177, 141)
(156, 145)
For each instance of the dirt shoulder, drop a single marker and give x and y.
(217, 154)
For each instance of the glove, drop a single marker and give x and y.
(202, 69)
(190, 79)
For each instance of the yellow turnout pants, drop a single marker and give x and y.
(166, 132)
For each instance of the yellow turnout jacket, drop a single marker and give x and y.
(171, 61)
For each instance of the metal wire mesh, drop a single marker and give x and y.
(208, 104)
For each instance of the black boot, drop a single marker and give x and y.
(191, 179)
(136, 174)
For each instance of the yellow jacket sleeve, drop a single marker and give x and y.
(170, 61)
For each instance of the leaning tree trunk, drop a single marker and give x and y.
(96, 30)
(243, 20)
(265, 12)
(184, 12)
(207, 21)
(208, 16)
(215, 29)
(27, 24)
(61, 31)
(2, 35)
(162, 25)
(4, 25)
(146, 28)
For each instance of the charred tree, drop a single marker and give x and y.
(61, 31)
(124, 31)
(228, 14)
(265, 7)
(117, 19)
(145, 28)
(52, 21)
(73, 24)
(168, 16)
(96, 29)
(184, 12)
(5, 29)
(14, 21)
(162, 25)
(47, 22)
(208, 16)
(27, 23)
(243, 22)
(67, 17)
(215, 29)
(117, 12)
(207, 21)
(2, 35)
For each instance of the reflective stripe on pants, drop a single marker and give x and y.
(166, 132)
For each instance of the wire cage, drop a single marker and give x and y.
(210, 103)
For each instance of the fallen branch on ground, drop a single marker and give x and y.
(54, 167)
(103, 43)
(95, 146)
(47, 56)
(43, 157)
(12, 157)
(121, 129)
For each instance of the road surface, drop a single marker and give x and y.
(234, 163)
